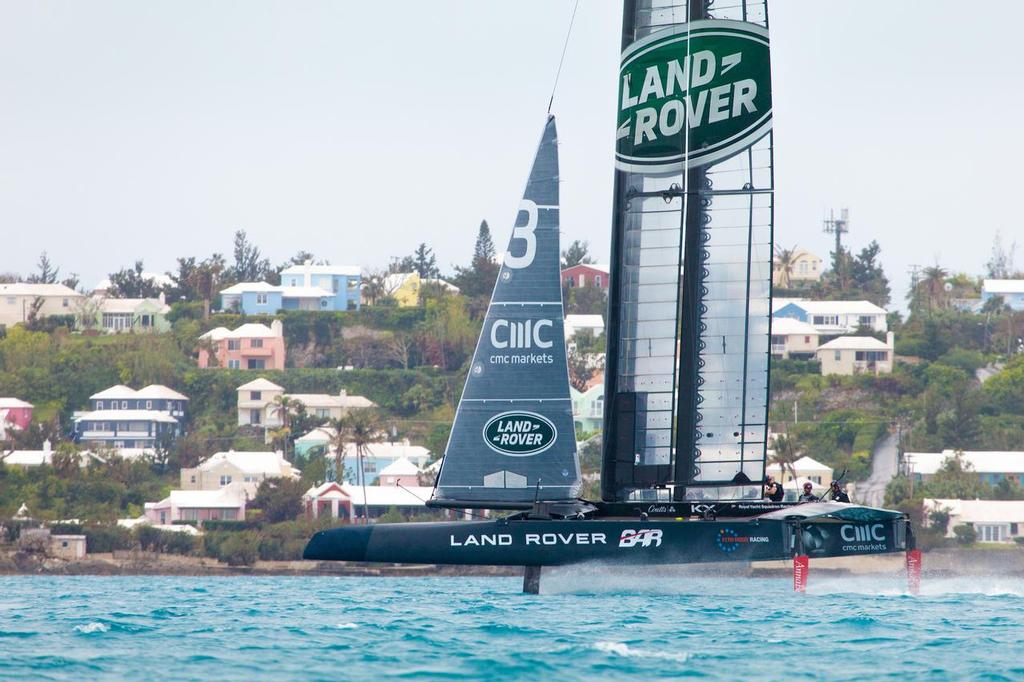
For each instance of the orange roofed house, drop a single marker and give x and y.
(251, 346)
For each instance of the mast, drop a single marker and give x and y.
(689, 302)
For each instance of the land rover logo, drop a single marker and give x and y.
(519, 434)
(712, 77)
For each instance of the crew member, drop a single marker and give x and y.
(772, 490)
(808, 495)
(838, 494)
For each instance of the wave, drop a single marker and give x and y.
(626, 651)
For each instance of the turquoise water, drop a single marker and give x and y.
(588, 625)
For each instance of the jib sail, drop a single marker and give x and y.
(689, 309)
(513, 439)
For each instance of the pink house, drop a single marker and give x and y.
(400, 472)
(15, 414)
(586, 275)
(223, 504)
(251, 346)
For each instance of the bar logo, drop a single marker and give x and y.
(692, 95)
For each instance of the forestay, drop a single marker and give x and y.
(513, 439)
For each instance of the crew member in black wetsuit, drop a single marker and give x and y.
(837, 493)
(772, 490)
(808, 495)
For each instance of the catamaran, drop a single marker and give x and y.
(688, 332)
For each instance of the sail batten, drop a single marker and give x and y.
(513, 439)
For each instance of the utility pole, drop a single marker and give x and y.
(838, 226)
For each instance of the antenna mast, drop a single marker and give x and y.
(838, 226)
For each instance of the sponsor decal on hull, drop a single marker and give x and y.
(864, 538)
(729, 540)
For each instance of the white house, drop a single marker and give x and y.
(807, 468)
(575, 323)
(346, 501)
(400, 472)
(848, 355)
(993, 520)
(793, 339)
(836, 317)
(992, 466)
(17, 300)
(376, 457)
(248, 468)
(257, 406)
(223, 504)
(588, 407)
(1010, 290)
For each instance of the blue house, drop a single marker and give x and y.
(121, 417)
(303, 287)
(1010, 290)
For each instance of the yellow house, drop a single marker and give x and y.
(804, 266)
(405, 287)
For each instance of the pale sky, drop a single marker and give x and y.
(149, 130)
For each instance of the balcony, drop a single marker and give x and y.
(264, 352)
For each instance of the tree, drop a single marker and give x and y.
(424, 262)
(71, 281)
(578, 253)
(249, 265)
(1001, 264)
(955, 480)
(47, 271)
(339, 440)
(374, 286)
(483, 250)
(581, 371)
(87, 312)
(285, 408)
(280, 499)
(784, 260)
(361, 428)
(930, 292)
(868, 277)
(132, 283)
(786, 451)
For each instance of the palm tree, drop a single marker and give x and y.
(787, 451)
(339, 439)
(784, 261)
(935, 285)
(284, 407)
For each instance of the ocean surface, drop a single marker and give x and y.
(587, 624)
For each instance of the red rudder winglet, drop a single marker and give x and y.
(801, 567)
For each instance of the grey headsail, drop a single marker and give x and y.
(513, 439)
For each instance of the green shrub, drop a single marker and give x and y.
(179, 542)
(240, 549)
(101, 538)
(150, 539)
(965, 534)
(230, 526)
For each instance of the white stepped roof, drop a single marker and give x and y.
(376, 496)
(260, 384)
(983, 462)
(1003, 286)
(400, 467)
(805, 464)
(265, 463)
(11, 403)
(160, 392)
(346, 270)
(784, 326)
(230, 496)
(980, 511)
(840, 307)
(42, 290)
(127, 416)
(249, 330)
(854, 343)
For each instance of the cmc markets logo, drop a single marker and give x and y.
(729, 540)
(646, 537)
(525, 334)
(519, 434)
(693, 94)
(863, 537)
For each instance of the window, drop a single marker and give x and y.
(807, 339)
(189, 514)
(837, 355)
(989, 532)
(11, 300)
(820, 320)
(255, 395)
(65, 303)
(192, 478)
(803, 267)
(261, 299)
(124, 404)
(324, 303)
(256, 343)
(570, 282)
(872, 356)
(322, 412)
(597, 280)
(256, 364)
(866, 320)
(234, 364)
(229, 514)
(234, 344)
(255, 416)
(149, 404)
(225, 479)
(334, 285)
(99, 404)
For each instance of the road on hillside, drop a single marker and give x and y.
(884, 464)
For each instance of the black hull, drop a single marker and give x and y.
(552, 542)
